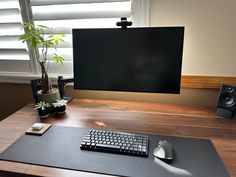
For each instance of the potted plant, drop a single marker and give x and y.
(60, 106)
(43, 109)
(35, 37)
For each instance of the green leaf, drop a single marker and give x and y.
(56, 41)
(60, 35)
(48, 43)
(42, 26)
(58, 58)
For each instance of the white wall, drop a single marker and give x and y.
(210, 33)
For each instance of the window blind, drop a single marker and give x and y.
(64, 15)
(10, 29)
(13, 53)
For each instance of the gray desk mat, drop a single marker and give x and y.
(60, 147)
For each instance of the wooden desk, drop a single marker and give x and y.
(165, 119)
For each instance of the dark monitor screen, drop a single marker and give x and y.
(133, 59)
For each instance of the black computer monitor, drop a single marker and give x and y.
(132, 59)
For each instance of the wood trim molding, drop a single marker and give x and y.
(206, 82)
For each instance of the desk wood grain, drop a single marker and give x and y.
(154, 118)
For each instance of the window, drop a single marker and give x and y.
(62, 16)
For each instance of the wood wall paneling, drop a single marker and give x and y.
(206, 82)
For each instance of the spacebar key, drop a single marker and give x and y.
(108, 147)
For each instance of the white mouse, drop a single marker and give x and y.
(37, 126)
(164, 151)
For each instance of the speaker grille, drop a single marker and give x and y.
(228, 100)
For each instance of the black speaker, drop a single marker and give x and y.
(226, 105)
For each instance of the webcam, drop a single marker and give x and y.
(124, 23)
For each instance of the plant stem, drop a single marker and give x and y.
(46, 83)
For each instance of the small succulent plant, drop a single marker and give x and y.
(60, 103)
(46, 109)
(42, 105)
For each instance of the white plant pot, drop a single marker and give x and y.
(49, 97)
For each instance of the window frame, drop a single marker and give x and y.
(139, 16)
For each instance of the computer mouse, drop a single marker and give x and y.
(164, 151)
(37, 126)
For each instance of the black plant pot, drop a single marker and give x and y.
(43, 113)
(60, 110)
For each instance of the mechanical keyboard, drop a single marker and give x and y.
(116, 142)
